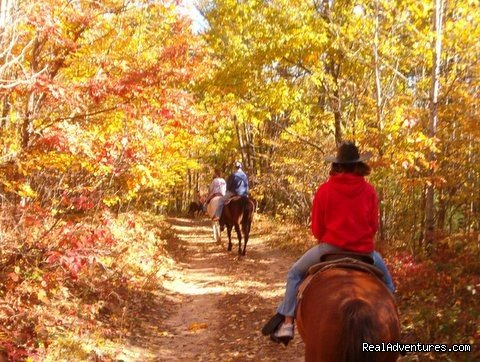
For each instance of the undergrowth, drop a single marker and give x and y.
(72, 290)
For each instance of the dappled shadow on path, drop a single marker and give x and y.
(191, 222)
(222, 300)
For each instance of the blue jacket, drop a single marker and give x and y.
(237, 183)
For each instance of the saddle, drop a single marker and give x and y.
(346, 260)
(211, 197)
(233, 198)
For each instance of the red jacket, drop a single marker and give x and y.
(345, 213)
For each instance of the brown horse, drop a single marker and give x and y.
(238, 213)
(340, 311)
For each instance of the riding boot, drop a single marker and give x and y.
(273, 323)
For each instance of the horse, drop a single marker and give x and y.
(238, 213)
(212, 207)
(340, 311)
(195, 209)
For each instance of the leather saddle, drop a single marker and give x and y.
(347, 260)
(233, 198)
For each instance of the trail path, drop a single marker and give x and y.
(218, 302)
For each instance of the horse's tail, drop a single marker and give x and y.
(247, 210)
(358, 328)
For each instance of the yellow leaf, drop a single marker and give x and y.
(42, 296)
(26, 191)
(194, 327)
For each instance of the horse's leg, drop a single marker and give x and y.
(214, 230)
(239, 236)
(246, 225)
(216, 225)
(246, 235)
(229, 234)
(245, 230)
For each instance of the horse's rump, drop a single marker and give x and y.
(238, 213)
(238, 210)
(213, 205)
(248, 210)
(342, 308)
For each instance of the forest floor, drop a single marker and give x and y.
(215, 302)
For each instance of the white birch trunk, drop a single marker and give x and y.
(432, 127)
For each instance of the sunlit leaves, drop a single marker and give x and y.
(109, 102)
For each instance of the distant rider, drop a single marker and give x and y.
(218, 187)
(237, 185)
(237, 182)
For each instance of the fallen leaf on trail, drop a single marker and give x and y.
(42, 295)
(13, 276)
(194, 327)
(166, 334)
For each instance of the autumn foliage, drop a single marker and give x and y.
(112, 108)
(96, 112)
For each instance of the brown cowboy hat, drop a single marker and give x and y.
(347, 152)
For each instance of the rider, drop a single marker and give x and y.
(237, 182)
(237, 185)
(344, 217)
(218, 187)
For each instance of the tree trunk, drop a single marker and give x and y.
(379, 116)
(5, 13)
(241, 142)
(432, 128)
(332, 68)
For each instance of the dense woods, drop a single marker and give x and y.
(303, 75)
(109, 108)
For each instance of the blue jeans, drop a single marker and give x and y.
(298, 271)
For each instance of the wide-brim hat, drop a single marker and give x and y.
(347, 152)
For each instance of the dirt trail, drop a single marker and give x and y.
(218, 302)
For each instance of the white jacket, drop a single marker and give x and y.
(218, 186)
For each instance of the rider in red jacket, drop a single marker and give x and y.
(344, 218)
(345, 213)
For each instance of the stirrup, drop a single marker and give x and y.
(272, 325)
